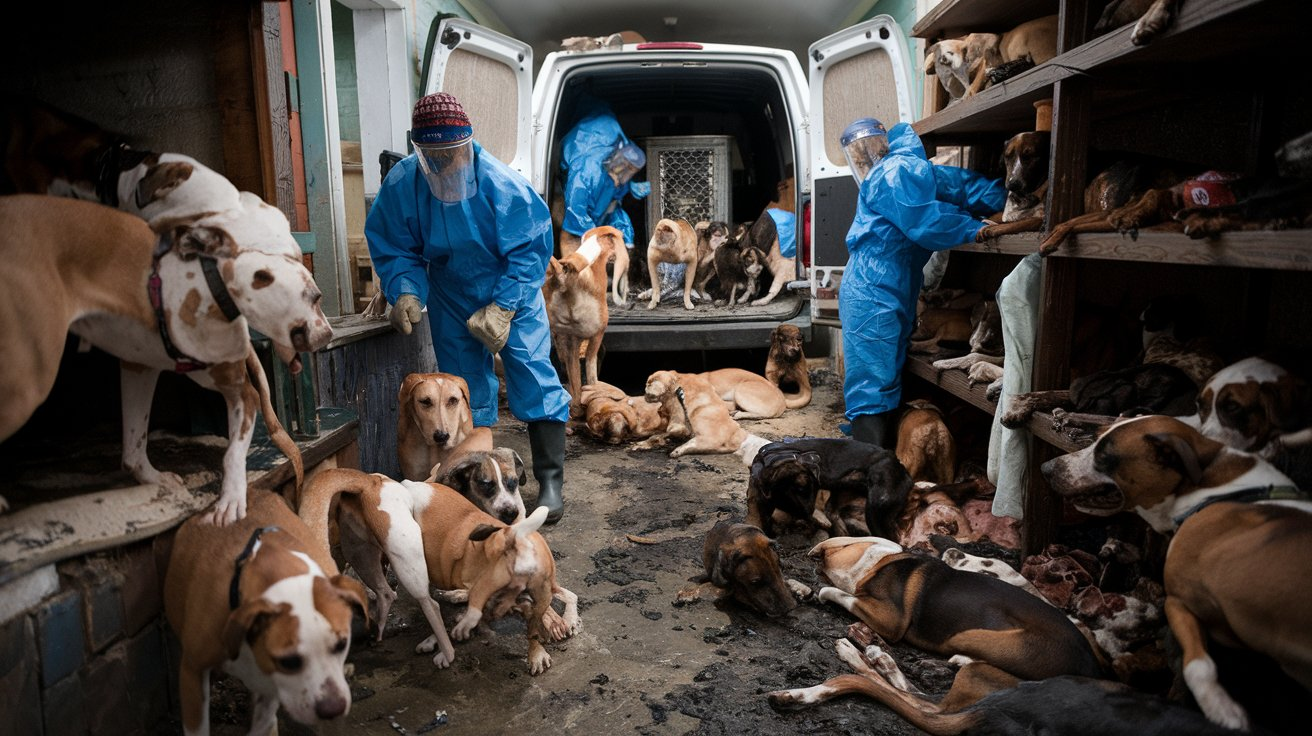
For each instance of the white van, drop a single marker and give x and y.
(722, 126)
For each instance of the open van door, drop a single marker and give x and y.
(492, 76)
(861, 71)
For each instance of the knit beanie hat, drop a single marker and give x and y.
(439, 119)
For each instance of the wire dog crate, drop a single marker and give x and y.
(689, 178)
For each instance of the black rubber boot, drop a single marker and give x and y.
(546, 440)
(871, 428)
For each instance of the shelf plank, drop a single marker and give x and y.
(953, 381)
(1286, 250)
(1021, 244)
(1042, 427)
(954, 17)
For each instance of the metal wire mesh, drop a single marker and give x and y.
(690, 178)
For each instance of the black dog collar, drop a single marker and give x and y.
(110, 164)
(234, 587)
(1245, 495)
(184, 363)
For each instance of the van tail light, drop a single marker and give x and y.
(806, 234)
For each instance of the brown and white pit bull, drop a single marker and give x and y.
(433, 418)
(491, 479)
(1237, 566)
(182, 298)
(258, 599)
(433, 535)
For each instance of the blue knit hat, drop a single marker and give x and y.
(439, 119)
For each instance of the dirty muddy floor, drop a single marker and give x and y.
(641, 664)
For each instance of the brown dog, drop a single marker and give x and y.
(433, 535)
(1025, 158)
(693, 407)
(491, 479)
(924, 445)
(1237, 564)
(575, 293)
(710, 236)
(612, 417)
(1129, 194)
(965, 61)
(786, 364)
(672, 241)
(764, 237)
(752, 396)
(741, 563)
(433, 418)
(619, 280)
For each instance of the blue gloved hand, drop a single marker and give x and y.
(639, 189)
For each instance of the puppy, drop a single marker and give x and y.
(432, 535)
(1222, 505)
(1025, 159)
(738, 266)
(672, 241)
(433, 417)
(924, 445)
(691, 405)
(980, 617)
(710, 236)
(260, 600)
(575, 293)
(786, 364)
(182, 298)
(743, 564)
(491, 480)
(752, 396)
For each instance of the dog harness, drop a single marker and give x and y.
(1245, 495)
(234, 588)
(184, 363)
(110, 163)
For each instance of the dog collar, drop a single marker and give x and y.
(678, 394)
(1244, 495)
(184, 363)
(111, 162)
(234, 587)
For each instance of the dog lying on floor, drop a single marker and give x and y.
(695, 410)
(612, 417)
(752, 396)
(924, 445)
(741, 563)
(180, 299)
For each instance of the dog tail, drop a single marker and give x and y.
(319, 495)
(282, 440)
(799, 399)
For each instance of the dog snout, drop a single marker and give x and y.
(330, 706)
(1016, 185)
(440, 436)
(508, 515)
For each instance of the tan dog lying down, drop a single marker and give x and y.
(433, 535)
(751, 395)
(82, 268)
(613, 417)
(695, 410)
(433, 418)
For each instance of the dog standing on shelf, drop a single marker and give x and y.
(575, 292)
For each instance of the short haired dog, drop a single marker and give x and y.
(710, 236)
(738, 265)
(741, 563)
(183, 299)
(924, 445)
(695, 410)
(1025, 160)
(765, 237)
(260, 600)
(785, 365)
(432, 418)
(672, 241)
(491, 480)
(575, 294)
(1232, 515)
(612, 417)
(752, 395)
(433, 535)
(962, 64)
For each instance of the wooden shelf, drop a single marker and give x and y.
(1021, 244)
(952, 381)
(1042, 427)
(955, 17)
(1286, 250)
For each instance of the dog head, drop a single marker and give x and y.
(986, 337)
(1248, 404)
(297, 631)
(753, 261)
(610, 420)
(492, 481)
(170, 185)
(660, 385)
(786, 344)
(742, 560)
(713, 234)
(519, 560)
(437, 405)
(887, 487)
(848, 561)
(1026, 160)
(788, 479)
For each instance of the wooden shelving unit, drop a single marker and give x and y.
(1110, 96)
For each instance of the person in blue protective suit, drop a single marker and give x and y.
(907, 208)
(456, 229)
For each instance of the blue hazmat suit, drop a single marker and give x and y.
(458, 258)
(785, 226)
(591, 197)
(907, 207)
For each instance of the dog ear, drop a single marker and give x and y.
(214, 242)
(457, 476)
(520, 475)
(246, 623)
(1287, 404)
(160, 180)
(725, 564)
(352, 591)
(931, 53)
(1174, 451)
(483, 531)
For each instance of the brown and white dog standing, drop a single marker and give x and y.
(672, 241)
(1237, 566)
(741, 563)
(258, 599)
(924, 445)
(433, 418)
(694, 408)
(786, 364)
(575, 293)
(433, 535)
(752, 396)
(84, 268)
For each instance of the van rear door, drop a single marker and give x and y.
(492, 76)
(861, 71)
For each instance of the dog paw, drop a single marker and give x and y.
(959, 660)
(463, 628)
(994, 391)
(459, 595)
(801, 590)
(227, 511)
(442, 660)
(538, 662)
(427, 645)
(556, 627)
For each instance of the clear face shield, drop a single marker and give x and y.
(864, 143)
(625, 161)
(449, 170)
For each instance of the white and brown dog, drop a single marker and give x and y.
(490, 479)
(259, 600)
(1232, 515)
(433, 535)
(433, 418)
(182, 298)
(575, 294)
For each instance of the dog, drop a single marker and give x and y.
(938, 328)
(742, 563)
(258, 600)
(432, 419)
(612, 417)
(752, 396)
(694, 409)
(924, 445)
(738, 265)
(1130, 194)
(1254, 405)
(575, 293)
(788, 476)
(983, 363)
(710, 236)
(962, 64)
(763, 236)
(785, 365)
(491, 480)
(433, 535)
(1221, 504)
(1152, 388)
(905, 597)
(1025, 160)
(672, 241)
(182, 299)
(986, 700)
